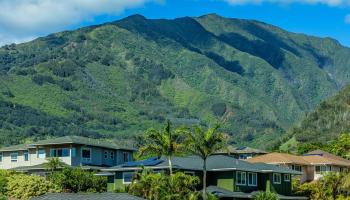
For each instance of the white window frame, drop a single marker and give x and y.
(253, 174)
(24, 156)
(38, 154)
(280, 179)
(286, 177)
(127, 182)
(86, 159)
(241, 174)
(15, 154)
(323, 169)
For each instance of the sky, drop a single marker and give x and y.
(24, 20)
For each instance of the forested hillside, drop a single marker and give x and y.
(326, 123)
(117, 79)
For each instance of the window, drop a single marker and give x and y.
(296, 168)
(14, 157)
(74, 152)
(126, 157)
(111, 155)
(61, 152)
(287, 177)
(245, 156)
(252, 179)
(1, 157)
(241, 178)
(322, 169)
(277, 178)
(106, 154)
(86, 154)
(26, 156)
(41, 153)
(127, 177)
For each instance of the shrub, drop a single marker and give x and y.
(78, 180)
(178, 186)
(265, 196)
(24, 187)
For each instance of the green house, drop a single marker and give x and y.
(228, 177)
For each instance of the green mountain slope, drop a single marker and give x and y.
(326, 123)
(118, 79)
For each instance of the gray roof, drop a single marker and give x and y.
(43, 166)
(86, 196)
(241, 150)
(214, 163)
(222, 193)
(67, 140)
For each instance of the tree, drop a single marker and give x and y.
(204, 143)
(162, 143)
(53, 164)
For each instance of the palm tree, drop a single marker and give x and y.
(205, 143)
(162, 143)
(53, 164)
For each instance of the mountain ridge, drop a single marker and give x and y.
(119, 78)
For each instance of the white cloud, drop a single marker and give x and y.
(347, 19)
(326, 2)
(23, 19)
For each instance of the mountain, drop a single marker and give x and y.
(117, 79)
(325, 124)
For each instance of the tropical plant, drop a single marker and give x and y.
(158, 186)
(204, 143)
(266, 196)
(162, 143)
(21, 186)
(78, 180)
(53, 164)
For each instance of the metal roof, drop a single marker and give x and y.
(214, 163)
(67, 140)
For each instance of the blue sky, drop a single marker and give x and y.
(23, 20)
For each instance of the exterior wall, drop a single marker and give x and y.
(285, 188)
(97, 157)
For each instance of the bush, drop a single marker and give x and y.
(24, 187)
(160, 186)
(265, 196)
(78, 180)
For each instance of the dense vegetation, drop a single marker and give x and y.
(23, 186)
(322, 126)
(117, 79)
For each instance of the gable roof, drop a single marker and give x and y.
(67, 140)
(214, 163)
(313, 158)
(278, 158)
(241, 150)
(323, 157)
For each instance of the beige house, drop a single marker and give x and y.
(72, 150)
(313, 164)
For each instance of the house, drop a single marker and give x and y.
(242, 152)
(312, 165)
(72, 150)
(224, 172)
